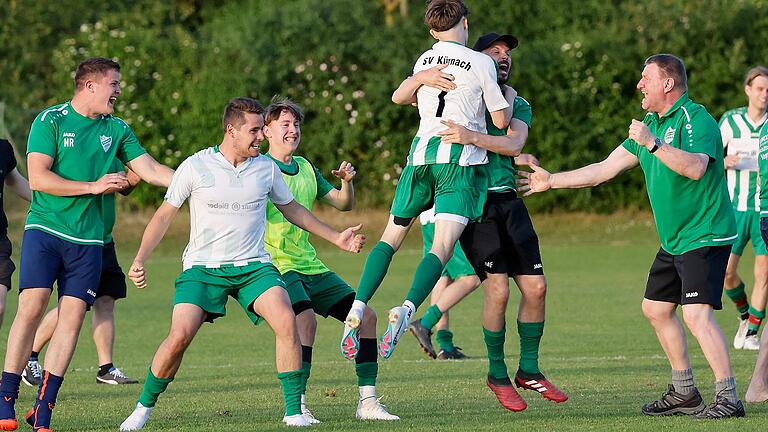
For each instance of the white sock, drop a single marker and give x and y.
(358, 307)
(304, 400)
(412, 307)
(367, 392)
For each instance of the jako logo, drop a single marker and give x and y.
(691, 294)
(489, 264)
(537, 266)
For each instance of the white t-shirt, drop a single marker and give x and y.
(227, 207)
(476, 90)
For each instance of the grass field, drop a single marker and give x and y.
(597, 347)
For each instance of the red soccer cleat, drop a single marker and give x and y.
(507, 396)
(546, 388)
(8, 425)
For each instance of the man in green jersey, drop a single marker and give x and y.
(758, 387)
(228, 187)
(70, 151)
(740, 128)
(679, 147)
(111, 288)
(312, 287)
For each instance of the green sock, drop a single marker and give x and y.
(445, 340)
(376, 266)
(427, 274)
(494, 342)
(291, 383)
(431, 317)
(755, 319)
(739, 298)
(153, 387)
(530, 337)
(366, 373)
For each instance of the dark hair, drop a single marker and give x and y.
(754, 73)
(672, 67)
(234, 112)
(93, 66)
(280, 104)
(442, 15)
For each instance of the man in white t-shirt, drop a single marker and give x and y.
(228, 187)
(449, 176)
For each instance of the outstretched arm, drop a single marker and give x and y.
(151, 171)
(19, 185)
(156, 229)
(347, 240)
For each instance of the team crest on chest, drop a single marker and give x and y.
(669, 135)
(106, 142)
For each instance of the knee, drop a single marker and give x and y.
(497, 292)
(307, 321)
(284, 323)
(179, 340)
(369, 318)
(536, 292)
(731, 278)
(696, 321)
(655, 315)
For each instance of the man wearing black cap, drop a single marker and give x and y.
(504, 243)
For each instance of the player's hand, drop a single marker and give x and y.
(539, 180)
(436, 78)
(138, 275)
(639, 132)
(346, 172)
(455, 134)
(731, 161)
(110, 183)
(350, 241)
(526, 159)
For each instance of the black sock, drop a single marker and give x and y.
(34, 356)
(105, 368)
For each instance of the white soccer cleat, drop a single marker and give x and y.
(350, 339)
(296, 420)
(741, 334)
(372, 409)
(137, 419)
(752, 343)
(398, 319)
(308, 415)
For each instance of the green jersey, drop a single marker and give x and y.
(740, 136)
(288, 244)
(762, 162)
(689, 214)
(501, 169)
(82, 149)
(109, 204)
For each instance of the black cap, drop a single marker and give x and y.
(487, 40)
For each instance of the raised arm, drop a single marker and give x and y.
(347, 240)
(42, 179)
(343, 199)
(687, 164)
(153, 233)
(151, 171)
(19, 185)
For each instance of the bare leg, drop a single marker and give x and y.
(669, 331)
(32, 305)
(185, 323)
(3, 297)
(758, 387)
(532, 302)
(496, 297)
(45, 329)
(275, 307)
(103, 325)
(64, 339)
(700, 319)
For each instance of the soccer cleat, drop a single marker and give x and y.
(308, 415)
(9, 424)
(114, 377)
(672, 402)
(546, 388)
(296, 420)
(752, 343)
(454, 354)
(372, 409)
(722, 408)
(506, 394)
(137, 419)
(423, 336)
(32, 374)
(397, 323)
(741, 334)
(350, 340)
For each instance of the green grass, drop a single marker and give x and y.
(597, 346)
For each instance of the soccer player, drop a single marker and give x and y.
(458, 280)
(740, 128)
(312, 287)
(10, 176)
(228, 186)
(450, 177)
(758, 386)
(679, 147)
(111, 288)
(70, 150)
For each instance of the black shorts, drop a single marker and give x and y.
(6, 264)
(764, 229)
(504, 240)
(695, 277)
(112, 281)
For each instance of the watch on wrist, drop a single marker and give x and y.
(656, 145)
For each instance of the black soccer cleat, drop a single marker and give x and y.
(722, 408)
(672, 403)
(454, 354)
(424, 337)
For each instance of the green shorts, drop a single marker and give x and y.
(451, 188)
(209, 288)
(322, 290)
(748, 228)
(458, 266)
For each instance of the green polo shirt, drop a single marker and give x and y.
(762, 163)
(690, 214)
(500, 168)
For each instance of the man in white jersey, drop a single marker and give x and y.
(228, 186)
(449, 176)
(740, 128)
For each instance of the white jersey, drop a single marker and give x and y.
(477, 89)
(740, 137)
(227, 207)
